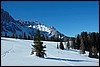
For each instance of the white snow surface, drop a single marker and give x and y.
(16, 52)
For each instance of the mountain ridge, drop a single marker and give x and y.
(11, 26)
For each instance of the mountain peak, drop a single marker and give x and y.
(18, 27)
(5, 17)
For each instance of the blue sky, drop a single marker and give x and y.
(68, 17)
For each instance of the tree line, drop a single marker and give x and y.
(30, 37)
(84, 42)
(87, 42)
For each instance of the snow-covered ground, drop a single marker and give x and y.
(16, 52)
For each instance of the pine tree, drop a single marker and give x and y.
(82, 48)
(72, 43)
(5, 34)
(57, 46)
(61, 45)
(25, 37)
(38, 48)
(77, 45)
(16, 36)
(20, 36)
(29, 37)
(68, 45)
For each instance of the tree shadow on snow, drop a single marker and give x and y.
(72, 60)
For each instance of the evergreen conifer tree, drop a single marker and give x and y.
(57, 46)
(5, 34)
(68, 45)
(29, 37)
(25, 37)
(61, 45)
(82, 48)
(38, 48)
(20, 36)
(78, 41)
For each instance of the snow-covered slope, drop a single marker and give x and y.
(11, 26)
(16, 52)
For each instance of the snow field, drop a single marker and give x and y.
(16, 52)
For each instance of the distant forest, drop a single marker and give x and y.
(87, 42)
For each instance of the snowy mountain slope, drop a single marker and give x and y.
(11, 26)
(16, 52)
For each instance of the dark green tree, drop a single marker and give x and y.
(82, 48)
(77, 45)
(61, 45)
(29, 37)
(20, 36)
(73, 43)
(89, 42)
(68, 45)
(25, 37)
(5, 34)
(38, 47)
(57, 46)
